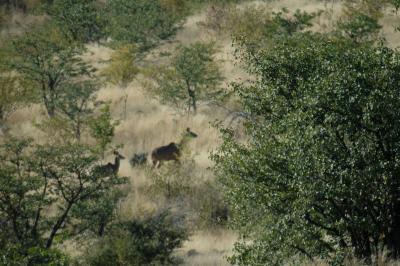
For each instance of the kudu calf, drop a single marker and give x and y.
(172, 151)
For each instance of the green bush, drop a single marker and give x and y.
(15, 255)
(144, 22)
(149, 241)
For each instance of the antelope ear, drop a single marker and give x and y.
(188, 129)
(115, 152)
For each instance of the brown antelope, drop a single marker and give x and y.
(172, 151)
(110, 168)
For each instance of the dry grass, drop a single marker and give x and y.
(207, 248)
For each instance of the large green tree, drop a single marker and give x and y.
(319, 173)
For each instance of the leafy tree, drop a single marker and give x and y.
(193, 75)
(48, 61)
(81, 19)
(76, 104)
(144, 22)
(318, 176)
(122, 68)
(98, 212)
(102, 128)
(39, 187)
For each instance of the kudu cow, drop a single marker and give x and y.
(110, 168)
(172, 151)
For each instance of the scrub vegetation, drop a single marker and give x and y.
(167, 132)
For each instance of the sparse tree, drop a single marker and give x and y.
(122, 69)
(76, 104)
(102, 128)
(48, 61)
(193, 76)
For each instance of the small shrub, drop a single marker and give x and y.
(172, 180)
(149, 241)
(15, 255)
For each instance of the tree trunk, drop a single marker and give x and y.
(194, 104)
(57, 226)
(362, 246)
(192, 99)
(50, 110)
(48, 103)
(78, 131)
(102, 228)
(1, 114)
(393, 238)
(125, 103)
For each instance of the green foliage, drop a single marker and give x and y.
(13, 255)
(286, 25)
(102, 128)
(318, 175)
(75, 106)
(46, 257)
(255, 27)
(192, 76)
(35, 179)
(10, 95)
(143, 22)
(140, 242)
(48, 60)
(396, 3)
(98, 211)
(81, 19)
(122, 69)
(359, 27)
(3, 17)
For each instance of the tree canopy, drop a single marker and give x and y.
(319, 173)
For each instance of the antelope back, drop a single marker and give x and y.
(169, 152)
